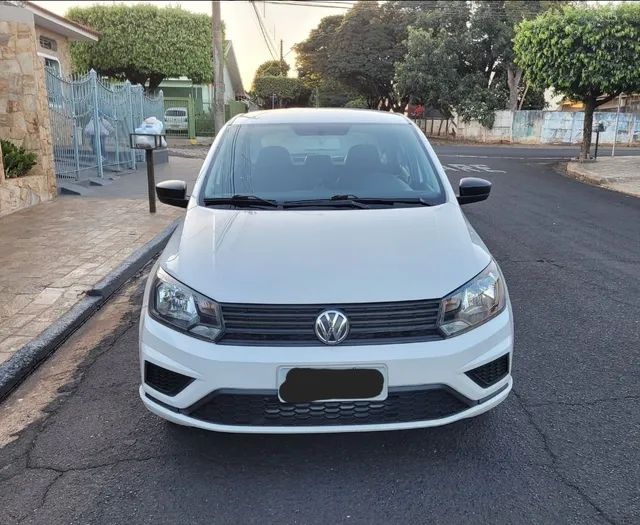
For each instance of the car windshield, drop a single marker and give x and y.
(311, 163)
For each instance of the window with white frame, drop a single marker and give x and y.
(53, 63)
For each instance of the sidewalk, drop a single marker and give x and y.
(615, 173)
(53, 253)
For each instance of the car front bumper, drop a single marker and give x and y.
(253, 370)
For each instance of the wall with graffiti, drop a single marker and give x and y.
(542, 127)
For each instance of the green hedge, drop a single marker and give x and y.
(284, 88)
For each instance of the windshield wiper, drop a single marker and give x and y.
(382, 200)
(334, 203)
(242, 200)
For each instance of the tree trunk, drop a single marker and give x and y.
(587, 128)
(514, 75)
(524, 95)
(400, 105)
(154, 81)
(136, 78)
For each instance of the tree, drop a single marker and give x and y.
(363, 52)
(312, 55)
(332, 93)
(143, 43)
(445, 67)
(589, 54)
(285, 89)
(429, 74)
(460, 56)
(493, 29)
(272, 86)
(357, 50)
(275, 68)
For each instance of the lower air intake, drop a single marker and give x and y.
(165, 381)
(491, 373)
(262, 409)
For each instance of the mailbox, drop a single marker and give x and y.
(148, 142)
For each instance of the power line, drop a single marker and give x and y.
(264, 32)
(333, 3)
(346, 7)
(521, 7)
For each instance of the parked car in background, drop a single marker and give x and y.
(176, 119)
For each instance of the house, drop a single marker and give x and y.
(30, 38)
(178, 91)
(233, 88)
(629, 103)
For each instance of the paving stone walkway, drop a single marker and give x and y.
(615, 173)
(52, 253)
(191, 152)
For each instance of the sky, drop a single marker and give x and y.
(291, 23)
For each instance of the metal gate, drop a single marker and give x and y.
(179, 117)
(91, 121)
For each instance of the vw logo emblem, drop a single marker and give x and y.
(332, 327)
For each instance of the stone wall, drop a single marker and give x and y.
(24, 111)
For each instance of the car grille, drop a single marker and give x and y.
(491, 373)
(163, 380)
(265, 409)
(294, 325)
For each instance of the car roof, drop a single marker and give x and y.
(319, 115)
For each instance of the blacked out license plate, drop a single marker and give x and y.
(305, 385)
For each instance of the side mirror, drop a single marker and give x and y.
(473, 189)
(173, 193)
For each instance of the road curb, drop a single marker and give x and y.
(132, 264)
(18, 367)
(575, 170)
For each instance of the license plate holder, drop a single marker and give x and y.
(303, 384)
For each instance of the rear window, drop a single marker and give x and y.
(287, 162)
(176, 113)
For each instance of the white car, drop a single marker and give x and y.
(324, 279)
(176, 119)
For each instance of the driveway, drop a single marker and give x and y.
(563, 448)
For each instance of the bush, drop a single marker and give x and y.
(17, 160)
(358, 103)
(285, 89)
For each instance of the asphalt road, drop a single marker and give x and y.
(563, 448)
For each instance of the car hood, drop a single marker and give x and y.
(324, 256)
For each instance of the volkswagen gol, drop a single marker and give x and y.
(324, 279)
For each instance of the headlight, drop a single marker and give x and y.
(179, 306)
(482, 298)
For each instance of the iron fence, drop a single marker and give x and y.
(91, 121)
(189, 118)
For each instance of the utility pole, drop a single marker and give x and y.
(281, 57)
(218, 66)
